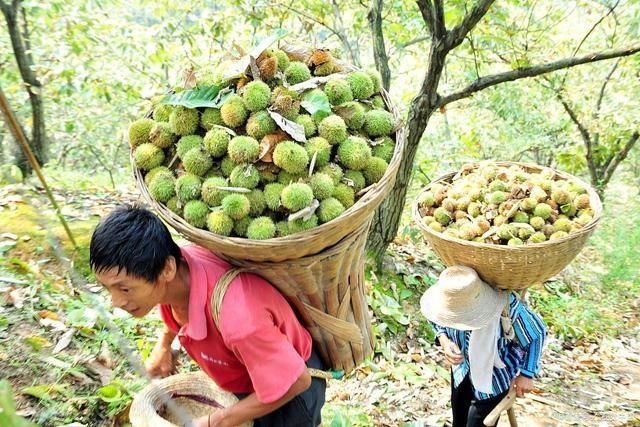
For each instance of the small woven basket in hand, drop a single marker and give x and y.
(320, 271)
(511, 267)
(177, 400)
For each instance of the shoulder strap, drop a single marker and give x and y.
(507, 324)
(219, 292)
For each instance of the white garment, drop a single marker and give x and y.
(483, 355)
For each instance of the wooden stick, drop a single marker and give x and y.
(512, 417)
(12, 123)
(505, 404)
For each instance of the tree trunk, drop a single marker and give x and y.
(20, 160)
(19, 43)
(387, 217)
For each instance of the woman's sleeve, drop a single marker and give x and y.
(531, 332)
(438, 330)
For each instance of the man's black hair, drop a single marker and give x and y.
(134, 239)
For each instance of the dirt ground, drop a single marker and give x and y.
(587, 384)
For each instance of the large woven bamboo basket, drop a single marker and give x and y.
(327, 291)
(511, 267)
(177, 400)
(320, 271)
(296, 245)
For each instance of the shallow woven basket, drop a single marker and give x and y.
(511, 267)
(192, 395)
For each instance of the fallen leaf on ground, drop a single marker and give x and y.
(103, 373)
(105, 357)
(46, 314)
(53, 324)
(64, 341)
(16, 297)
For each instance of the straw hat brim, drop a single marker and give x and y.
(194, 394)
(474, 315)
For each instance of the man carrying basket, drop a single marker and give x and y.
(255, 347)
(492, 340)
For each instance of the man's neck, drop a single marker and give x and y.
(178, 289)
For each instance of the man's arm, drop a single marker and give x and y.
(251, 408)
(161, 362)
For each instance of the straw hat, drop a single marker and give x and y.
(461, 300)
(192, 395)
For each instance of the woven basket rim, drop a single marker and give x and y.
(369, 201)
(151, 399)
(446, 178)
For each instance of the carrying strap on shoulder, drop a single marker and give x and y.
(507, 324)
(505, 317)
(216, 306)
(219, 292)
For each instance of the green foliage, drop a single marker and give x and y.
(390, 294)
(8, 415)
(314, 101)
(201, 96)
(344, 416)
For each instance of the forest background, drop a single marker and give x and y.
(552, 83)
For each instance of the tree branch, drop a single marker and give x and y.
(379, 50)
(342, 34)
(596, 137)
(591, 30)
(608, 173)
(428, 14)
(604, 86)
(26, 36)
(310, 18)
(586, 137)
(475, 55)
(414, 41)
(536, 70)
(457, 35)
(440, 29)
(611, 9)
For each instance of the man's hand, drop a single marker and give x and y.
(451, 351)
(161, 362)
(522, 385)
(215, 419)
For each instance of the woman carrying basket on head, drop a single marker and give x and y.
(259, 351)
(492, 340)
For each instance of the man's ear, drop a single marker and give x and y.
(169, 270)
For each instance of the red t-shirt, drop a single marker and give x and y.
(261, 345)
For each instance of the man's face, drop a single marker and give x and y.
(135, 295)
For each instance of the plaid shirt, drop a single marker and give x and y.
(521, 355)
